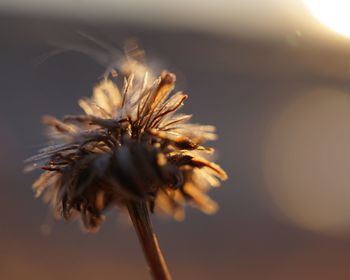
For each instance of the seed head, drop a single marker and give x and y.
(129, 144)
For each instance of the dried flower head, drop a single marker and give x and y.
(130, 145)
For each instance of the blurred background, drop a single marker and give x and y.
(273, 76)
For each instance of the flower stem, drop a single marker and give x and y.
(139, 215)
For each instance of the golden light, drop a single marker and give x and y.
(306, 161)
(332, 13)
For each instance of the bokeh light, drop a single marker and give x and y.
(307, 161)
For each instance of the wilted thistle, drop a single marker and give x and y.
(130, 149)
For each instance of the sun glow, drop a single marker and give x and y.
(335, 14)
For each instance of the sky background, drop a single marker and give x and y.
(252, 18)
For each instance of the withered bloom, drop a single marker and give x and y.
(130, 149)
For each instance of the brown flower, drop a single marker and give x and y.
(130, 145)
